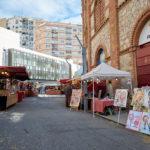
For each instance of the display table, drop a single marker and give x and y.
(7, 101)
(20, 96)
(99, 105)
(11, 100)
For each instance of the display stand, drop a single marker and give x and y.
(119, 115)
(75, 99)
(74, 107)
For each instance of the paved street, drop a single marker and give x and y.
(45, 124)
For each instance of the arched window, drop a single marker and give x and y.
(101, 57)
(99, 14)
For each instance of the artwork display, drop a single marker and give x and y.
(145, 123)
(133, 120)
(138, 97)
(146, 101)
(121, 97)
(75, 98)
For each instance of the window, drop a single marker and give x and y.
(48, 40)
(68, 47)
(61, 47)
(47, 46)
(48, 34)
(47, 52)
(47, 27)
(54, 41)
(62, 41)
(54, 29)
(54, 47)
(74, 30)
(62, 53)
(99, 14)
(80, 30)
(54, 53)
(62, 29)
(68, 30)
(68, 42)
(61, 35)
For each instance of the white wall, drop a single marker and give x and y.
(8, 39)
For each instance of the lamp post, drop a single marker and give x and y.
(84, 72)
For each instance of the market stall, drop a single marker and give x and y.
(9, 93)
(52, 89)
(104, 72)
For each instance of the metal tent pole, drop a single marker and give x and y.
(93, 97)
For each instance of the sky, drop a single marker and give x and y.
(68, 11)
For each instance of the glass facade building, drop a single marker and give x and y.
(39, 66)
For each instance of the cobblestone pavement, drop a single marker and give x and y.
(43, 123)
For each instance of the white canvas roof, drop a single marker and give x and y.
(105, 72)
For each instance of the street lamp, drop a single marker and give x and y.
(84, 72)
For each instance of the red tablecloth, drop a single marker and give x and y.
(99, 105)
(20, 96)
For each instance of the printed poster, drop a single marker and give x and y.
(138, 97)
(133, 120)
(145, 123)
(75, 98)
(121, 97)
(146, 101)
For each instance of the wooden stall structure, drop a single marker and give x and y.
(8, 96)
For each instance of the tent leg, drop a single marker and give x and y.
(119, 115)
(93, 98)
(81, 96)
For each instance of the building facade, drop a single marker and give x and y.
(118, 32)
(24, 26)
(39, 66)
(58, 39)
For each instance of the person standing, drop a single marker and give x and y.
(68, 93)
(110, 89)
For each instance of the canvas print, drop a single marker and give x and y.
(133, 120)
(75, 98)
(145, 123)
(146, 101)
(121, 97)
(138, 97)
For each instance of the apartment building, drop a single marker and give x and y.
(58, 39)
(22, 25)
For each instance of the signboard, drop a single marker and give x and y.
(133, 120)
(75, 98)
(145, 34)
(121, 97)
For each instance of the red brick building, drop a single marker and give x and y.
(120, 29)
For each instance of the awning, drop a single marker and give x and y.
(14, 72)
(63, 81)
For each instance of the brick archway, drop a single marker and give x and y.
(99, 49)
(139, 26)
(135, 40)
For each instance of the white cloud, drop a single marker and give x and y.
(53, 10)
(73, 20)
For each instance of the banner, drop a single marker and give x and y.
(121, 97)
(133, 120)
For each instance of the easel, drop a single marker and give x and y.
(74, 107)
(119, 115)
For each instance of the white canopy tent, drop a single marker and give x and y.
(105, 72)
